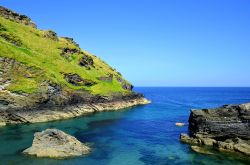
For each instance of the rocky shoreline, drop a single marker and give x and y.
(46, 114)
(226, 128)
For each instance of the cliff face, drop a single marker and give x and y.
(225, 128)
(41, 71)
(227, 121)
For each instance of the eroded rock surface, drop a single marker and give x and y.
(54, 143)
(225, 128)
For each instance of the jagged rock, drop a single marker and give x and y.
(76, 80)
(228, 121)
(125, 85)
(86, 61)
(226, 128)
(54, 143)
(67, 52)
(187, 139)
(13, 16)
(51, 35)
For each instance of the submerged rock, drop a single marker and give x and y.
(201, 150)
(2, 124)
(54, 143)
(226, 128)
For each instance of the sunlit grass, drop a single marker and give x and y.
(44, 54)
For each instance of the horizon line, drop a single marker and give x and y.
(192, 86)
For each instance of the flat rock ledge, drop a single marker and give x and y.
(67, 112)
(232, 145)
(226, 128)
(54, 143)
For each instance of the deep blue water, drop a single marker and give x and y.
(141, 135)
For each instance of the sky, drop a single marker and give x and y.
(188, 43)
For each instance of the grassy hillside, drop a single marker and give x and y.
(52, 58)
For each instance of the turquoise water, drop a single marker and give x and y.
(141, 135)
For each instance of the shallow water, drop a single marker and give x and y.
(141, 135)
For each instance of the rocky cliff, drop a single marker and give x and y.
(226, 128)
(45, 77)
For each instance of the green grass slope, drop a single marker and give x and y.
(42, 51)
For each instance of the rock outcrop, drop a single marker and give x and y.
(75, 108)
(225, 128)
(54, 143)
(77, 80)
(13, 16)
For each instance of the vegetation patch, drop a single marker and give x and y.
(45, 54)
(71, 41)
(9, 37)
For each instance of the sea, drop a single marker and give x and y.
(142, 135)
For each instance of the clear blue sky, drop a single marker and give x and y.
(156, 42)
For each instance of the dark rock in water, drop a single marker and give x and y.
(226, 128)
(13, 16)
(76, 80)
(220, 123)
(54, 143)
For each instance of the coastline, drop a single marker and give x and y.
(67, 112)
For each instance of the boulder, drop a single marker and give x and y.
(54, 143)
